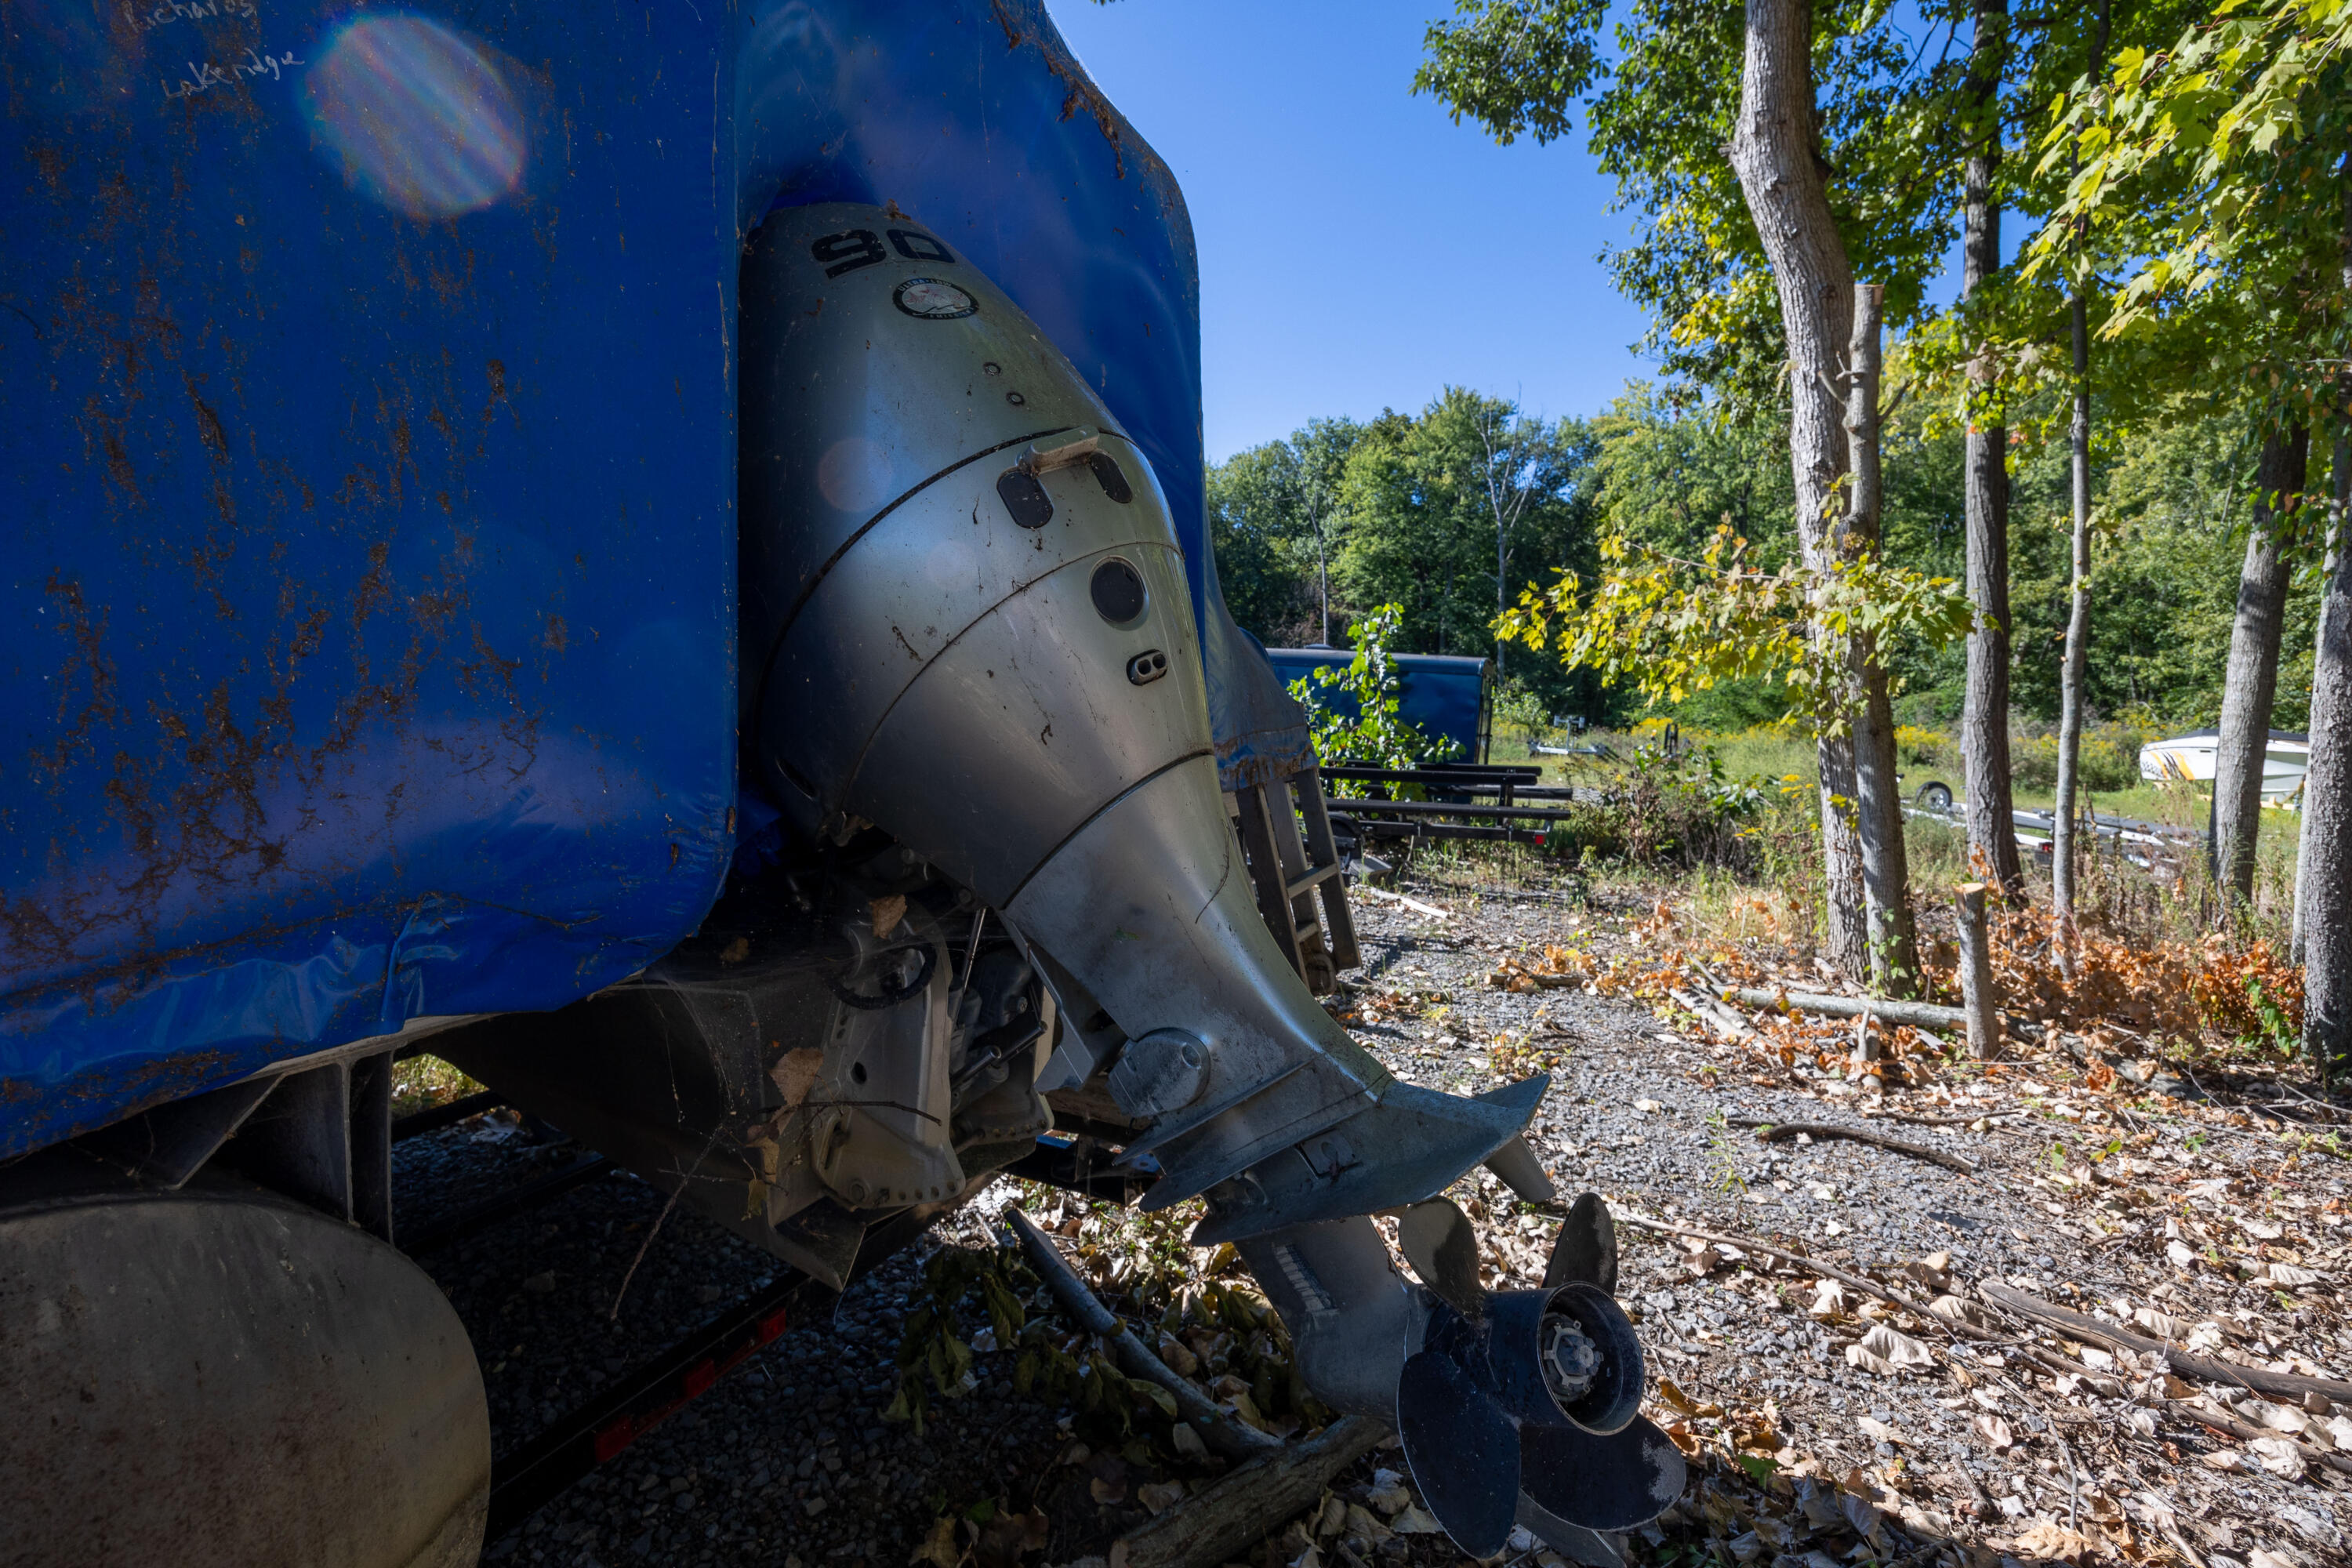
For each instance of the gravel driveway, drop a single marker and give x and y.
(1806, 1452)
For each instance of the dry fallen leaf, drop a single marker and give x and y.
(2163, 1325)
(1160, 1496)
(1995, 1432)
(2047, 1538)
(1887, 1350)
(1005, 1539)
(795, 1074)
(1953, 1310)
(938, 1547)
(1412, 1520)
(2279, 1456)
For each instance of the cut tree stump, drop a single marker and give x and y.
(1976, 999)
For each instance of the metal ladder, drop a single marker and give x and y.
(1297, 877)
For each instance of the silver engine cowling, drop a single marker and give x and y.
(973, 691)
(965, 621)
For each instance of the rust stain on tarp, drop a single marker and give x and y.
(214, 758)
(1082, 92)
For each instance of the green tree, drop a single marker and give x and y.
(1450, 513)
(1275, 515)
(2216, 167)
(2221, 163)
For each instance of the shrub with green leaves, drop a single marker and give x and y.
(1375, 736)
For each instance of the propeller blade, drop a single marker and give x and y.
(1616, 1482)
(1586, 1250)
(1463, 1450)
(1438, 1241)
(1572, 1541)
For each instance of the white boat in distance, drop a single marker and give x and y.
(2190, 759)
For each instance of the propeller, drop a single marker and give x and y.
(1528, 1391)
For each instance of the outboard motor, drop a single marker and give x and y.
(966, 623)
(999, 867)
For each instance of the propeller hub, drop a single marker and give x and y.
(1569, 1359)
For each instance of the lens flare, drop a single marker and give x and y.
(419, 116)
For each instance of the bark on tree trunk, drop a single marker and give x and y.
(2078, 631)
(2340, 506)
(1978, 999)
(2324, 907)
(1885, 868)
(1502, 601)
(2251, 680)
(2078, 619)
(1984, 713)
(1323, 584)
(1775, 151)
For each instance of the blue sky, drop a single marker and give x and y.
(1359, 250)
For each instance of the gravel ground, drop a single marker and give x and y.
(1806, 1449)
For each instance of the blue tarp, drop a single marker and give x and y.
(367, 406)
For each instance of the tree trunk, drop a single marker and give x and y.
(1984, 714)
(2324, 904)
(1323, 583)
(2323, 823)
(2078, 620)
(2069, 689)
(1775, 151)
(1502, 577)
(1878, 795)
(2251, 680)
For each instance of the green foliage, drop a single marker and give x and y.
(1668, 627)
(2109, 760)
(2210, 169)
(1374, 735)
(1893, 125)
(1669, 476)
(1422, 496)
(1680, 808)
(1520, 712)
(933, 1356)
(1446, 514)
(1513, 65)
(1273, 511)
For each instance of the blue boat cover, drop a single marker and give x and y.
(367, 403)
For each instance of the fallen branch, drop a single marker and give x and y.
(1780, 1132)
(1413, 904)
(1868, 1286)
(2229, 1374)
(1940, 1121)
(1714, 1015)
(1228, 1438)
(1220, 1522)
(2246, 1430)
(1919, 1015)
